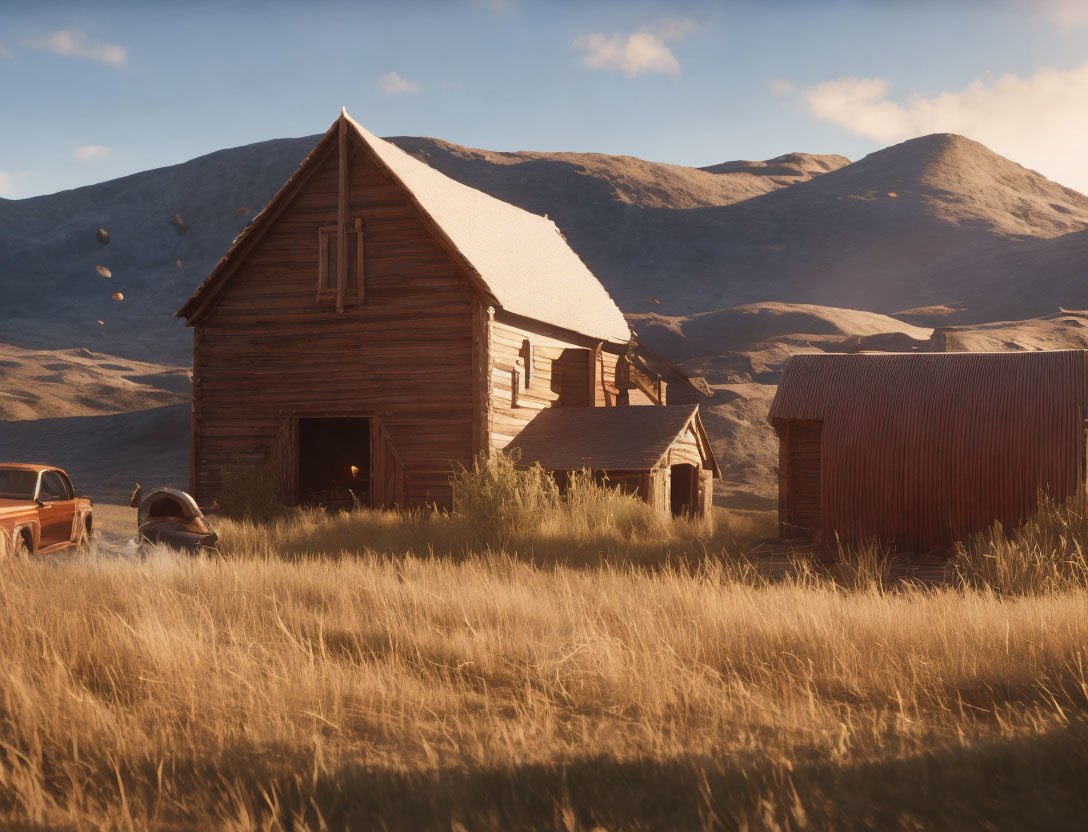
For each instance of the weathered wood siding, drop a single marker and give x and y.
(269, 348)
(686, 449)
(559, 376)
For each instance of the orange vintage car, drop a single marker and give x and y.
(39, 510)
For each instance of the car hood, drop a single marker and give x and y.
(16, 504)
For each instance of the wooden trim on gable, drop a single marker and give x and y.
(701, 437)
(342, 218)
(199, 304)
(437, 232)
(704, 443)
(559, 333)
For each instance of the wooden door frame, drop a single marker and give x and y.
(787, 527)
(377, 429)
(691, 507)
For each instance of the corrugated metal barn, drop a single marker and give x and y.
(923, 449)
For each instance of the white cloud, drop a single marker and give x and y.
(5, 52)
(780, 86)
(91, 152)
(1069, 14)
(77, 44)
(392, 83)
(5, 183)
(644, 51)
(1038, 121)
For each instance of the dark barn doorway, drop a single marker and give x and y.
(334, 462)
(683, 488)
(802, 513)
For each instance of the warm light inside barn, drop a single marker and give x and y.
(355, 472)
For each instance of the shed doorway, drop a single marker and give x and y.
(683, 488)
(802, 514)
(334, 462)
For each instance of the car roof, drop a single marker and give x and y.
(27, 466)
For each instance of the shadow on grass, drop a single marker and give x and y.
(1033, 782)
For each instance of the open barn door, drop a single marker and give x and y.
(386, 469)
(281, 460)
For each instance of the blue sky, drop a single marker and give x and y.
(95, 91)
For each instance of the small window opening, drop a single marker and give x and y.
(328, 275)
(527, 360)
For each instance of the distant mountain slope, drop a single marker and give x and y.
(50, 292)
(49, 384)
(938, 219)
(935, 221)
(729, 269)
(542, 182)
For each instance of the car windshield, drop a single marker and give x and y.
(16, 484)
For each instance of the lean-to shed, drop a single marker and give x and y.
(661, 454)
(379, 322)
(922, 449)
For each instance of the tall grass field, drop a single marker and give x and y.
(569, 663)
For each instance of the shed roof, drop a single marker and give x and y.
(633, 438)
(925, 448)
(521, 259)
(904, 386)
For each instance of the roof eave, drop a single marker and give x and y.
(201, 299)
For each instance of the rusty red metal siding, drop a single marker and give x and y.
(923, 449)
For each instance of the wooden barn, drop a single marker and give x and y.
(922, 449)
(379, 322)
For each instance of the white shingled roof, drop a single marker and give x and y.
(521, 257)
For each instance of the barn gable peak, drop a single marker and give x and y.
(520, 260)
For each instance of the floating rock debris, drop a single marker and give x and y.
(103, 271)
(118, 296)
(177, 263)
(103, 236)
(179, 224)
(241, 211)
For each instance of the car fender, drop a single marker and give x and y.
(34, 528)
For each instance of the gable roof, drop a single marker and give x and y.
(521, 259)
(631, 438)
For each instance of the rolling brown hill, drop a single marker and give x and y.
(729, 269)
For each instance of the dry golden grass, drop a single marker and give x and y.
(415, 693)
(368, 671)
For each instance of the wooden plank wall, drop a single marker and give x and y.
(271, 348)
(558, 377)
